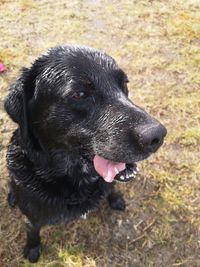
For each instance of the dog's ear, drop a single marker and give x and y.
(16, 103)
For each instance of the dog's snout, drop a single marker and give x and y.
(151, 136)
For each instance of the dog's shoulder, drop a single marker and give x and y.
(58, 187)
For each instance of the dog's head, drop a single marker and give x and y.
(76, 98)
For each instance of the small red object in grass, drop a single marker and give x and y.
(2, 68)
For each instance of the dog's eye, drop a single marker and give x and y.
(79, 95)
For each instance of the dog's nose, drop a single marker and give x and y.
(151, 136)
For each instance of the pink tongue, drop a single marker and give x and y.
(107, 169)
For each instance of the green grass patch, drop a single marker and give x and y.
(25, 4)
(186, 24)
(190, 137)
(13, 58)
(74, 257)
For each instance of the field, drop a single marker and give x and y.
(158, 44)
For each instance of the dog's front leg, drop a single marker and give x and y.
(116, 200)
(33, 244)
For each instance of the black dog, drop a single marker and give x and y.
(78, 133)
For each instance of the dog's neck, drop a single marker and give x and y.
(60, 162)
(57, 162)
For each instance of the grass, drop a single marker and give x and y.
(157, 44)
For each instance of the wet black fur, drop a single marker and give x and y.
(70, 105)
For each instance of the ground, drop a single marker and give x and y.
(158, 44)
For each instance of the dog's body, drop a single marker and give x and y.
(47, 195)
(78, 132)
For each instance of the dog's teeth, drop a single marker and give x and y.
(84, 216)
(128, 175)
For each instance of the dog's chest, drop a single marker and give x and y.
(66, 206)
(70, 209)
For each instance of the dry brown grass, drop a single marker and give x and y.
(158, 44)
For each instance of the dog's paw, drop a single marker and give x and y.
(11, 199)
(32, 254)
(116, 202)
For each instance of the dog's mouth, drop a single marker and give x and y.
(129, 173)
(110, 170)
